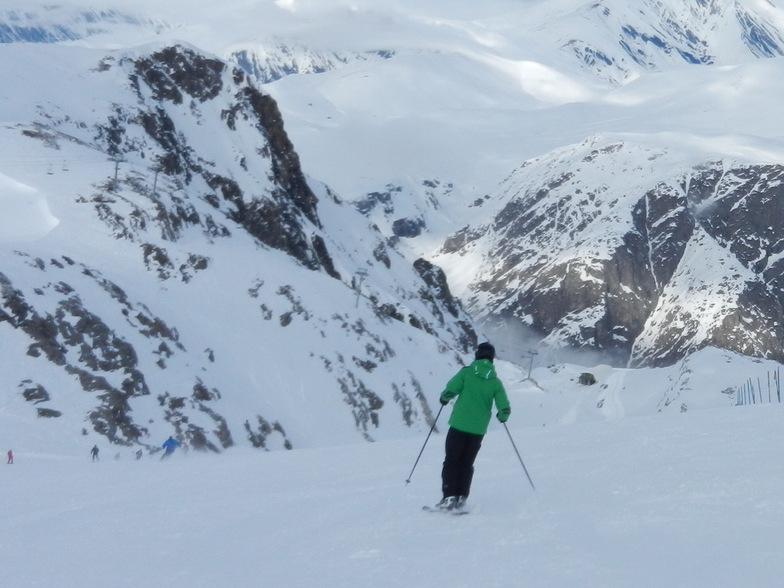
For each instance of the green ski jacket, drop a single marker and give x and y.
(476, 387)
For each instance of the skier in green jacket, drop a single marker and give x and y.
(476, 387)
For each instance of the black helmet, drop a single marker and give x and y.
(485, 351)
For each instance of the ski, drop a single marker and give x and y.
(454, 512)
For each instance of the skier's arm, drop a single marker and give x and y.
(502, 404)
(453, 388)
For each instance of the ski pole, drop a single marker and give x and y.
(518, 457)
(408, 480)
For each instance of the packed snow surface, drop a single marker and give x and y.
(684, 500)
(624, 496)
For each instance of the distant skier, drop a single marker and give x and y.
(94, 452)
(169, 446)
(476, 387)
(10, 456)
(139, 454)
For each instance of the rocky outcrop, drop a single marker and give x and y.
(280, 216)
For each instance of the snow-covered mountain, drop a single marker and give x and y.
(228, 220)
(180, 271)
(595, 259)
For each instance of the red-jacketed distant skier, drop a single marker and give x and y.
(477, 388)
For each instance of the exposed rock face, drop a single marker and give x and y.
(175, 71)
(738, 209)
(644, 272)
(275, 218)
(437, 295)
(87, 348)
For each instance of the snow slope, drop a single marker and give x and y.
(624, 497)
(683, 500)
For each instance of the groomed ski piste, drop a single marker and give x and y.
(624, 498)
(647, 479)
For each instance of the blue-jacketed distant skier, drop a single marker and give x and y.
(169, 446)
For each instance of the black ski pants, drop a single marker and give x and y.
(458, 471)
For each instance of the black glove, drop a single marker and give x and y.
(443, 402)
(503, 415)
